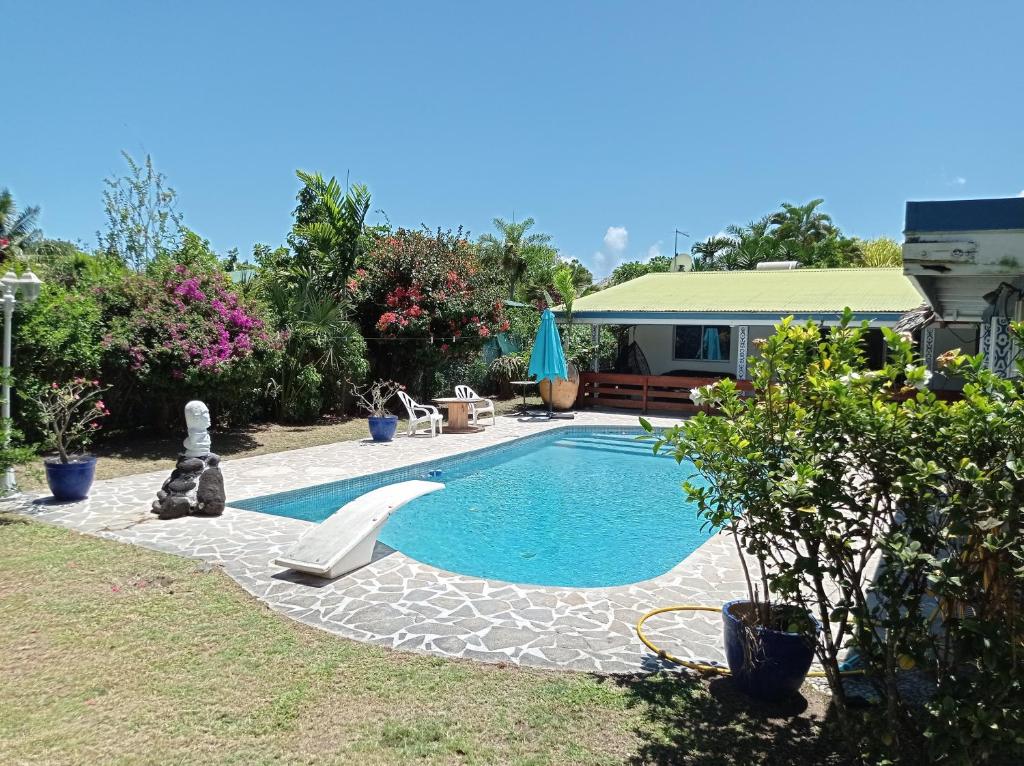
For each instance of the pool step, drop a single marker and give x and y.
(615, 449)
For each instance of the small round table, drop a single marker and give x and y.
(524, 385)
(458, 414)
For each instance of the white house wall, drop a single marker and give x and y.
(658, 343)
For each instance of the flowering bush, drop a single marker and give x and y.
(191, 336)
(71, 412)
(423, 301)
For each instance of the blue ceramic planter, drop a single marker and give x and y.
(70, 481)
(382, 429)
(776, 665)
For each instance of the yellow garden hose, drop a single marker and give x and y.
(704, 667)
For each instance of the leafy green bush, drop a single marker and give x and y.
(507, 368)
(864, 499)
(56, 338)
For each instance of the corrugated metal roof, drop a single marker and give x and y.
(800, 291)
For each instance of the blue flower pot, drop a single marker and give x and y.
(70, 481)
(382, 429)
(774, 664)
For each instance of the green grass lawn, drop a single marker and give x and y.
(114, 654)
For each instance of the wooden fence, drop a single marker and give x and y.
(642, 392)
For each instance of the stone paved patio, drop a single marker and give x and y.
(402, 603)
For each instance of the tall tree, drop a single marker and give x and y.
(18, 230)
(142, 220)
(513, 249)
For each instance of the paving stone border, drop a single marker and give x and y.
(404, 604)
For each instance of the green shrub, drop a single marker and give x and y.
(54, 339)
(864, 499)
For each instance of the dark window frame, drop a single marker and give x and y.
(726, 344)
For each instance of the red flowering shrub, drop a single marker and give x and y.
(188, 336)
(423, 301)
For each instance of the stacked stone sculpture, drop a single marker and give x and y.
(196, 485)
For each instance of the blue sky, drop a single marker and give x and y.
(612, 124)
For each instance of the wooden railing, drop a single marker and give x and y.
(642, 392)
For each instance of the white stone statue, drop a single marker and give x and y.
(197, 420)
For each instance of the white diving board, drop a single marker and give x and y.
(345, 541)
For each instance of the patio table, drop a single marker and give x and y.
(524, 385)
(458, 414)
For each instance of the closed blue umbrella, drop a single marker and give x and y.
(547, 360)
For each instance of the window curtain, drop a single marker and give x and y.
(712, 346)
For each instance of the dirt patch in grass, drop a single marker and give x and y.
(114, 654)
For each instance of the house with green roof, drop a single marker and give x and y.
(704, 323)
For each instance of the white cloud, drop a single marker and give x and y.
(959, 180)
(1021, 193)
(616, 239)
(654, 250)
(599, 260)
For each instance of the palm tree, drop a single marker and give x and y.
(328, 235)
(513, 251)
(18, 231)
(706, 253)
(804, 224)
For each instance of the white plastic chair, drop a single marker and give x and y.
(478, 409)
(429, 415)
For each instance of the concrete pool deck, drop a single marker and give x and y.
(404, 604)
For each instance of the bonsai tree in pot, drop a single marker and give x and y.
(373, 398)
(71, 413)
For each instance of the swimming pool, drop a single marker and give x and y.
(574, 507)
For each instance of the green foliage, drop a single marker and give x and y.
(142, 222)
(633, 269)
(18, 230)
(328, 236)
(61, 262)
(424, 300)
(192, 251)
(56, 338)
(323, 350)
(880, 252)
(507, 368)
(832, 468)
(800, 233)
(516, 254)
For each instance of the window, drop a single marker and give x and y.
(709, 343)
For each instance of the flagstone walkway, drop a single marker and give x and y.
(401, 603)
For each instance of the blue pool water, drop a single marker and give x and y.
(575, 508)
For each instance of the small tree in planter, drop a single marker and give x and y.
(71, 413)
(860, 497)
(373, 398)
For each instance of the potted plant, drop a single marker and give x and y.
(372, 398)
(71, 413)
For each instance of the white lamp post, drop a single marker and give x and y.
(29, 285)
